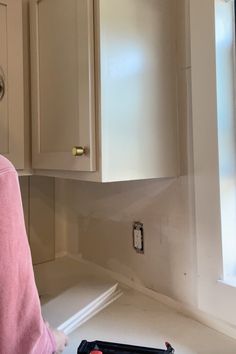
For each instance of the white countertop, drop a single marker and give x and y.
(132, 319)
(139, 320)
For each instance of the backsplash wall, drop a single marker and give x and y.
(100, 217)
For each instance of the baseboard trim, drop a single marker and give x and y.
(89, 311)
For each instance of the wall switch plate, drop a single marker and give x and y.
(138, 237)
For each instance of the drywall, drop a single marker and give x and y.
(101, 217)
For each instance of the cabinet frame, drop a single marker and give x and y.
(14, 81)
(86, 97)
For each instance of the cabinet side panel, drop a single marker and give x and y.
(4, 127)
(24, 187)
(138, 89)
(42, 219)
(11, 69)
(27, 96)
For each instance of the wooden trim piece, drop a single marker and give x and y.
(15, 82)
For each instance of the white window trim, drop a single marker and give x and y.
(214, 296)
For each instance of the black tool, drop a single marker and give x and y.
(115, 348)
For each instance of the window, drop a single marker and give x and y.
(225, 77)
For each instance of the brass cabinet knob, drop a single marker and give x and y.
(78, 151)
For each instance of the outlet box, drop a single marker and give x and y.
(138, 237)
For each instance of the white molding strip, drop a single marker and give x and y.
(88, 293)
(61, 255)
(72, 323)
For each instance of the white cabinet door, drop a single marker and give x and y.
(62, 50)
(11, 82)
(138, 102)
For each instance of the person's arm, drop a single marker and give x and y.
(22, 329)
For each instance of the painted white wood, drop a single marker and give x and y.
(214, 297)
(72, 292)
(138, 91)
(4, 118)
(75, 306)
(24, 186)
(183, 34)
(82, 176)
(62, 84)
(90, 311)
(27, 97)
(53, 278)
(11, 67)
(225, 73)
(41, 219)
(136, 102)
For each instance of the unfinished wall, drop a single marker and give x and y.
(102, 215)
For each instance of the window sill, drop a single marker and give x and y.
(229, 281)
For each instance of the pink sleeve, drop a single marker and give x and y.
(22, 329)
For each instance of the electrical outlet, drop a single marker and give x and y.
(138, 237)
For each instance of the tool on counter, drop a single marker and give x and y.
(99, 347)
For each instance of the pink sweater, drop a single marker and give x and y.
(22, 329)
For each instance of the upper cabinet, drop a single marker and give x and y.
(104, 103)
(12, 119)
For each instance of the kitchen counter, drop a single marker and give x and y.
(88, 303)
(139, 320)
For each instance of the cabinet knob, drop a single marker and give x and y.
(78, 151)
(2, 87)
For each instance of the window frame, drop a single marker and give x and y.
(215, 297)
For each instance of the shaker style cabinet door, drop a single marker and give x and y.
(62, 53)
(11, 82)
